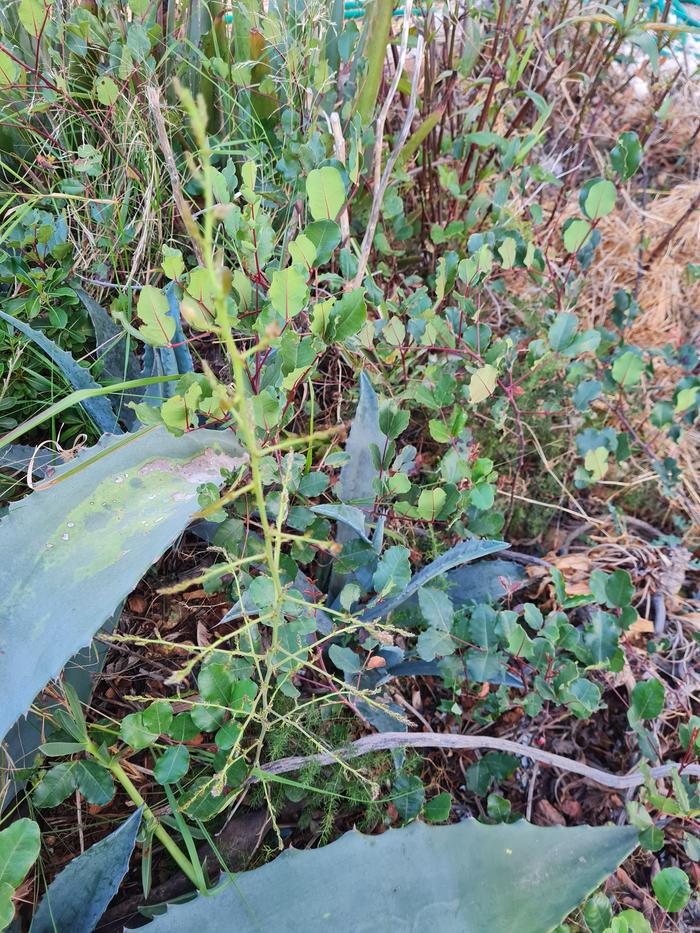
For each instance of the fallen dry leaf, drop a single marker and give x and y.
(549, 815)
(641, 626)
(136, 603)
(376, 661)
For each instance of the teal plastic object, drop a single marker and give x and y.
(680, 11)
(354, 9)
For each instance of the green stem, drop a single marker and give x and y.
(245, 418)
(159, 830)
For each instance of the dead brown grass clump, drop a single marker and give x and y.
(667, 296)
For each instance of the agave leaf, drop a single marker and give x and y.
(99, 408)
(413, 667)
(117, 361)
(112, 351)
(347, 515)
(483, 583)
(464, 878)
(379, 713)
(312, 595)
(73, 550)
(17, 457)
(460, 554)
(384, 715)
(355, 486)
(356, 483)
(76, 899)
(172, 360)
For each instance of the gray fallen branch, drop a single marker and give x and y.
(386, 740)
(153, 98)
(340, 154)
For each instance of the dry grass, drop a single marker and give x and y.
(667, 298)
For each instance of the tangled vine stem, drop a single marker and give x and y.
(386, 740)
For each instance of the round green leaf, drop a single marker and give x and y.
(56, 785)
(482, 383)
(627, 369)
(630, 921)
(408, 796)
(173, 765)
(215, 682)
(435, 643)
(562, 332)
(326, 192)
(619, 589)
(345, 659)
(600, 199)
(596, 462)
(437, 809)
(182, 728)
(302, 251)
(94, 783)
(7, 908)
(349, 314)
(173, 264)
(158, 717)
(325, 236)
(497, 807)
(134, 732)
(288, 291)
(430, 502)
(648, 698)
(575, 233)
(626, 156)
(33, 14)
(207, 718)
(228, 735)
(691, 844)
(10, 71)
(597, 913)
(582, 697)
(242, 696)
(157, 327)
(19, 849)
(436, 607)
(393, 571)
(107, 90)
(672, 889)
(652, 838)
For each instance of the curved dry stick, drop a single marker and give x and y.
(153, 99)
(385, 740)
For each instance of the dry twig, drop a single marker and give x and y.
(381, 183)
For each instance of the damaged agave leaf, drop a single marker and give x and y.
(464, 878)
(74, 548)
